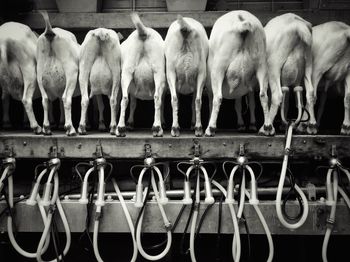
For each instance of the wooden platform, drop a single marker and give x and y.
(121, 20)
(223, 145)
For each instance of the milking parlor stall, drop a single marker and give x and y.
(175, 130)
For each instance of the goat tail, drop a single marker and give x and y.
(140, 27)
(185, 28)
(49, 33)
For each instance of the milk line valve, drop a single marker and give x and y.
(335, 169)
(242, 164)
(151, 169)
(291, 124)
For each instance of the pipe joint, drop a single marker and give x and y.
(99, 162)
(196, 161)
(149, 161)
(330, 223)
(9, 161)
(54, 162)
(168, 226)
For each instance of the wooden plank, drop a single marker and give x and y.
(265, 6)
(113, 219)
(223, 145)
(156, 5)
(159, 19)
(334, 4)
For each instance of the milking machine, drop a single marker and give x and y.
(291, 124)
(335, 169)
(98, 167)
(48, 204)
(151, 169)
(196, 169)
(243, 165)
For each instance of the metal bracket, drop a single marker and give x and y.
(334, 151)
(197, 151)
(53, 153)
(311, 191)
(148, 150)
(9, 151)
(99, 151)
(242, 150)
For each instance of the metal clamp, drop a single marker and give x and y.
(197, 151)
(52, 208)
(149, 159)
(9, 151)
(53, 153)
(311, 191)
(242, 159)
(11, 161)
(54, 162)
(168, 226)
(333, 162)
(99, 162)
(99, 151)
(330, 223)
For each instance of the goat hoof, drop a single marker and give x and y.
(102, 126)
(82, 130)
(37, 130)
(46, 130)
(121, 131)
(252, 128)
(267, 130)
(130, 126)
(345, 130)
(241, 128)
(6, 125)
(311, 129)
(198, 131)
(70, 130)
(157, 131)
(210, 131)
(112, 130)
(175, 131)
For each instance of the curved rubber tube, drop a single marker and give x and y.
(2, 178)
(54, 200)
(209, 199)
(253, 189)
(194, 221)
(166, 222)
(242, 197)
(236, 242)
(266, 229)
(10, 226)
(230, 186)
(95, 236)
(128, 219)
(331, 215)
(84, 187)
(280, 216)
